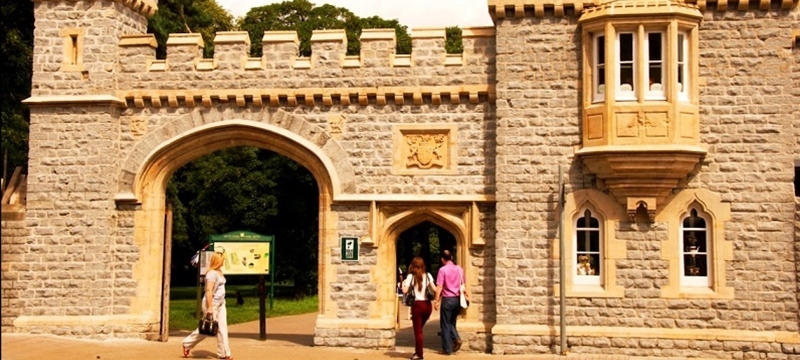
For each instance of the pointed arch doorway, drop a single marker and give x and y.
(426, 240)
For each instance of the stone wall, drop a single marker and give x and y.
(746, 110)
(103, 22)
(746, 121)
(537, 127)
(16, 271)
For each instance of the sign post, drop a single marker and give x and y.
(248, 253)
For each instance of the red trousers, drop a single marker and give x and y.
(420, 313)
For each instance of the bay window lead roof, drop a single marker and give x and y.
(627, 8)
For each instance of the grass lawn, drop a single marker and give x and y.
(183, 304)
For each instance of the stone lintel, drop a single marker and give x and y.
(232, 37)
(138, 40)
(185, 39)
(428, 33)
(485, 31)
(378, 34)
(328, 35)
(75, 100)
(280, 36)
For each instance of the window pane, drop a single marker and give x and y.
(626, 47)
(587, 265)
(681, 63)
(655, 74)
(626, 75)
(582, 245)
(695, 265)
(654, 46)
(694, 221)
(601, 50)
(594, 241)
(601, 79)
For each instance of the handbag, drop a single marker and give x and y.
(461, 297)
(208, 326)
(410, 296)
(430, 294)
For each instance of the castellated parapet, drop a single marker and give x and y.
(329, 76)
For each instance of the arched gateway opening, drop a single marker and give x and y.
(147, 182)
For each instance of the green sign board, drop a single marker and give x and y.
(349, 249)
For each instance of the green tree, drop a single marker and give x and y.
(246, 188)
(302, 16)
(189, 16)
(454, 43)
(16, 50)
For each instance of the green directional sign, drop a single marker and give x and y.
(349, 249)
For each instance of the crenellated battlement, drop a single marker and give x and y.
(328, 51)
(329, 76)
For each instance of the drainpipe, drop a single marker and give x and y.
(562, 264)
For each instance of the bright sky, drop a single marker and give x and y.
(411, 13)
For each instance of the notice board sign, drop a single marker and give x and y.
(349, 249)
(245, 253)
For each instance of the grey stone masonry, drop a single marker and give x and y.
(473, 142)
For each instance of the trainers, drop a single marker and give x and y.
(457, 345)
(416, 357)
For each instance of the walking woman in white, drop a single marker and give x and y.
(214, 304)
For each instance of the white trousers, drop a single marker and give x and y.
(221, 315)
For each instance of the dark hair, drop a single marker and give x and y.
(446, 255)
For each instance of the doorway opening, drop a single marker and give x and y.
(251, 189)
(425, 240)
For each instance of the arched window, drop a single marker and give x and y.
(695, 250)
(588, 250)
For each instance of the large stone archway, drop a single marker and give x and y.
(145, 178)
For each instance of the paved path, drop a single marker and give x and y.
(288, 337)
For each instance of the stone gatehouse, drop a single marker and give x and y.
(676, 127)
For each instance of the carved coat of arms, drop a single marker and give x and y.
(426, 151)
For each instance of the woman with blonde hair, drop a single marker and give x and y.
(214, 305)
(421, 281)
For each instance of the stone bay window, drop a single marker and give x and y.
(640, 108)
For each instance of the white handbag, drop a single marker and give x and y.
(462, 298)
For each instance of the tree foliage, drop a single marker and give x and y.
(246, 188)
(16, 50)
(302, 16)
(189, 16)
(453, 44)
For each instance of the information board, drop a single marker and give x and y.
(244, 258)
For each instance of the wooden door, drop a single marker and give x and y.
(164, 332)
